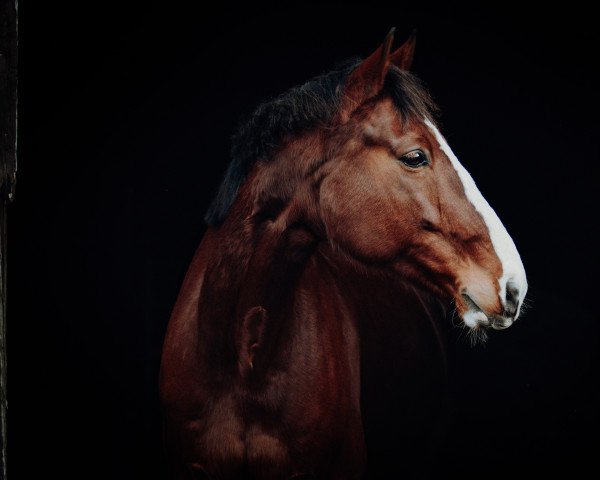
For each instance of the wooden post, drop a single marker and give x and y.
(8, 170)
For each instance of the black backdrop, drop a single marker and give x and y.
(125, 111)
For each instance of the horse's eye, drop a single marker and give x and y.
(414, 159)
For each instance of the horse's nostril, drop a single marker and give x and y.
(512, 299)
(510, 310)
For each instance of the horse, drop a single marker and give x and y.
(343, 210)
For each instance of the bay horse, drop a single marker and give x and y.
(342, 208)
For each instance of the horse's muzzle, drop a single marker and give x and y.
(475, 316)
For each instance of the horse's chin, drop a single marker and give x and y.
(475, 319)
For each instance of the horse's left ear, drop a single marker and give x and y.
(367, 79)
(251, 337)
(403, 57)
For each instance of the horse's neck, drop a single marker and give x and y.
(248, 287)
(251, 288)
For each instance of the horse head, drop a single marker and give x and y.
(379, 182)
(396, 195)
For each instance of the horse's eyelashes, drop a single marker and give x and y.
(414, 159)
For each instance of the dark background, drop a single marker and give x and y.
(125, 113)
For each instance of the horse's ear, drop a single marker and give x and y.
(198, 472)
(251, 338)
(367, 79)
(403, 57)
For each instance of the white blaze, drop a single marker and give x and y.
(512, 266)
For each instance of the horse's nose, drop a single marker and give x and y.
(512, 302)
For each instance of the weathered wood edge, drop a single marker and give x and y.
(8, 170)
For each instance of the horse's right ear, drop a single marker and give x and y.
(368, 77)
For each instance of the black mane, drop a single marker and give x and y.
(299, 109)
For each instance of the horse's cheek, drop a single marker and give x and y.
(355, 218)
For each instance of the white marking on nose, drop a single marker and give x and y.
(512, 266)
